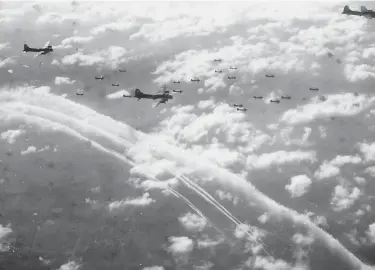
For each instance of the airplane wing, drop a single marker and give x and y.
(48, 43)
(41, 53)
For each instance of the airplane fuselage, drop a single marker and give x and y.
(138, 94)
(369, 14)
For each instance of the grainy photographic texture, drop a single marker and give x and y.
(187, 135)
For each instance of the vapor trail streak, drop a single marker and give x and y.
(122, 135)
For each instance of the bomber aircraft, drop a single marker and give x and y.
(122, 70)
(99, 78)
(285, 97)
(232, 67)
(270, 76)
(114, 84)
(241, 109)
(238, 105)
(177, 91)
(176, 82)
(259, 97)
(314, 89)
(47, 48)
(367, 13)
(164, 96)
(218, 71)
(195, 80)
(217, 60)
(231, 78)
(275, 101)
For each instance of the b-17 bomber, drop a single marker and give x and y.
(218, 71)
(367, 13)
(232, 67)
(217, 60)
(238, 105)
(270, 76)
(47, 48)
(164, 96)
(176, 82)
(314, 89)
(195, 80)
(99, 78)
(122, 70)
(275, 101)
(231, 77)
(241, 109)
(177, 91)
(259, 97)
(114, 84)
(285, 97)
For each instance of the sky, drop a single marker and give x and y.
(99, 181)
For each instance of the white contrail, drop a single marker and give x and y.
(192, 206)
(157, 147)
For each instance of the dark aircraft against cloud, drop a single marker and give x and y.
(241, 109)
(47, 48)
(367, 13)
(165, 95)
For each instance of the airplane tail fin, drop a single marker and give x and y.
(346, 9)
(137, 92)
(25, 47)
(363, 9)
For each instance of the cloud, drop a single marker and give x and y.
(334, 105)
(6, 62)
(180, 245)
(63, 80)
(4, 232)
(371, 233)
(112, 58)
(193, 222)
(266, 160)
(4, 46)
(118, 95)
(55, 113)
(332, 168)
(70, 266)
(263, 218)
(114, 27)
(67, 42)
(342, 198)
(368, 150)
(140, 201)
(30, 149)
(299, 185)
(11, 135)
(207, 243)
(153, 268)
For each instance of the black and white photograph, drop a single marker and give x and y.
(187, 135)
